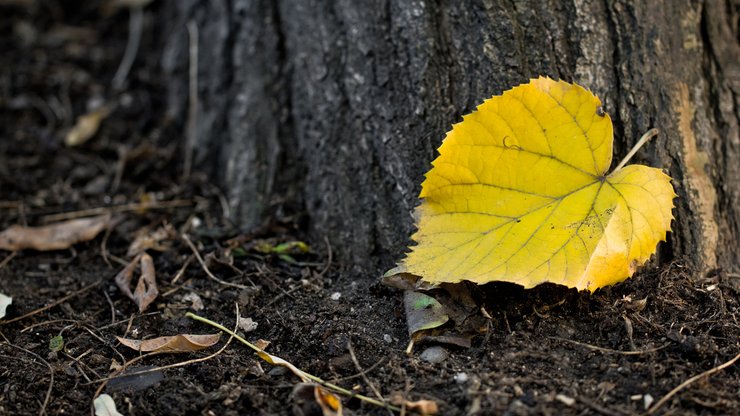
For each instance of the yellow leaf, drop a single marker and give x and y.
(519, 193)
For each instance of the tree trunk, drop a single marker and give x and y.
(335, 108)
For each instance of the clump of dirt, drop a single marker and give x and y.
(548, 350)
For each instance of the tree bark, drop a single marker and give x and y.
(335, 108)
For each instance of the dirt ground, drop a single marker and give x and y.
(547, 351)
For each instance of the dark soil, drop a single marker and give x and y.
(547, 351)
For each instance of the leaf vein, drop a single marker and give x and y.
(575, 120)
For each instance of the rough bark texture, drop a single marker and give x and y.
(335, 108)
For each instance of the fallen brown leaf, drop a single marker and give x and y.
(57, 236)
(146, 288)
(172, 344)
(146, 239)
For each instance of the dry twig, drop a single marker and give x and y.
(53, 304)
(611, 351)
(180, 272)
(8, 258)
(688, 382)
(118, 373)
(116, 209)
(205, 267)
(51, 374)
(300, 373)
(599, 408)
(363, 374)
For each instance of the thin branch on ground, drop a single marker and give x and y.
(127, 364)
(104, 249)
(180, 272)
(328, 259)
(288, 293)
(688, 382)
(54, 321)
(364, 376)
(128, 327)
(264, 272)
(611, 351)
(366, 371)
(112, 307)
(198, 257)
(116, 209)
(77, 324)
(272, 359)
(598, 408)
(8, 258)
(184, 285)
(240, 272)
(51, 374)
(104, 382)
(53, 304)
(80, 364)
(127, 321)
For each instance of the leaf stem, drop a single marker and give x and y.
(300, 373)
(645, 137)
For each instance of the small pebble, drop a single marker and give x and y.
(461, 378)
(277, 371)
(387, 338)
(648, 400)
(247, 324)
(195, 222)
(434, 355)
(335, 296)
(196, 303)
